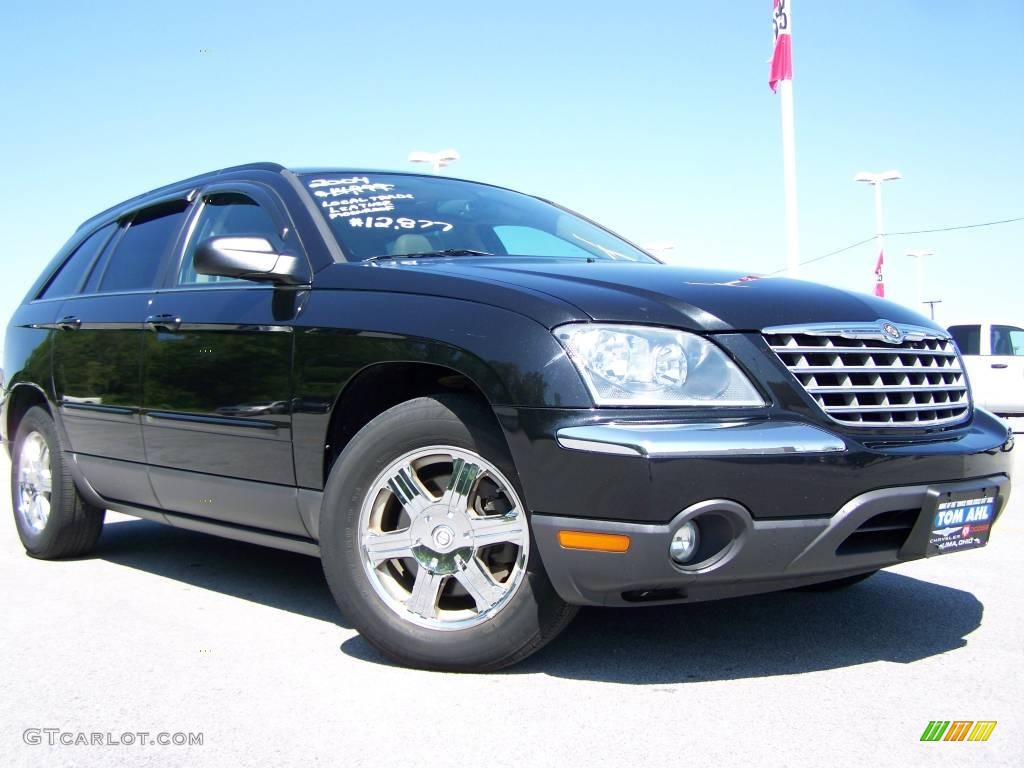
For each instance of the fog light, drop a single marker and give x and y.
(684, 542)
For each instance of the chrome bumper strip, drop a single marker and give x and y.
(658, 441)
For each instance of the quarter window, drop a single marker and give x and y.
(137, 255)
(70, 276)
(226, 214)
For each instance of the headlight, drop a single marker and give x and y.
(638, 365)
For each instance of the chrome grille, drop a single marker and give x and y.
(876, 375)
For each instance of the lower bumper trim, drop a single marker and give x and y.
(761, 556)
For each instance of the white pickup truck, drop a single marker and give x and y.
(994, 356)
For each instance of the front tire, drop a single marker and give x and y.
(425, 541)
(53, 519)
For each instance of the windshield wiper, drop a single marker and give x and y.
(431, 254)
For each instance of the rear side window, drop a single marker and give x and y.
(137, 255)
(967, 338)
(70, 276)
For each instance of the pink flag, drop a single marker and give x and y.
(782, 55)
(879, 279)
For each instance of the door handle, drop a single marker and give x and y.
(1000, 365)
(69, 323)
(166, 322)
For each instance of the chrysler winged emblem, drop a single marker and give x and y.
(890, 333)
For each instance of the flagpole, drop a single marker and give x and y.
(789, 178)
(879, 223)
(876, 180)
(780, 80)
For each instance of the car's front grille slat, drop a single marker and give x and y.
(899, 389)
(862, 350)
(889, 407)
(862, 381)
(861, 368)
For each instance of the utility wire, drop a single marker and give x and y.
(825, 255)
(962, 226)
(895, 234)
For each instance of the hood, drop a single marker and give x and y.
(656, 294)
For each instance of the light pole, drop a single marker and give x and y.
(919, 257)
(875, 180)
(436, 160)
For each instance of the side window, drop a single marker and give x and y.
(137, 255)
(223, 214)
(69, 277)
(1007, 340)
(967, 338)
(536, 242)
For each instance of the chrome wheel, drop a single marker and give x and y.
(443, 538)
(34, 482)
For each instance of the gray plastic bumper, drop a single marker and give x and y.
(759, 556)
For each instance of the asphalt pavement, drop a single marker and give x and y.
(171, 633)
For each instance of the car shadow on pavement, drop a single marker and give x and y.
(889, 617)
(272, 577)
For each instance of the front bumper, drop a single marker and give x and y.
(874, 530)
(786, 496)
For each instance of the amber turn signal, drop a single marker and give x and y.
(596, 542)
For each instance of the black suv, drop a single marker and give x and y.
(478, 408)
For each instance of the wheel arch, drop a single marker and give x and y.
(380, 386)
(20, 399)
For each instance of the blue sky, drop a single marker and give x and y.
(654, 118)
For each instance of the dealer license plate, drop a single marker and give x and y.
(960, 524)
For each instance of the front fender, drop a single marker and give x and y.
(514, 360)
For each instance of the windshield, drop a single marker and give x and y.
(380, 215)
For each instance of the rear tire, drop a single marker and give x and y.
(831, 586)
(426, 545)
(53, 519)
